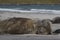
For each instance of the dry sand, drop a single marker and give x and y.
(29, 37)
(5, 15)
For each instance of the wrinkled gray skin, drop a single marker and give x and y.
(56, 20)
(25, 26)
(44, 27)
(17, 26)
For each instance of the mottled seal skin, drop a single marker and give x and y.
(25, 26)
(17, 26)
(56, 20)
(44, 28)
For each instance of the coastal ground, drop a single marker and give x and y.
(30, 37)
(29, 1)
(34, 16)
(7, 15)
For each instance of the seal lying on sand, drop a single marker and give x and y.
(17, 26)
(56, 20)
(56, 32)
(44, 27)
(24, 26)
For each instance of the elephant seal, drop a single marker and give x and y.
(44, 27)
(17, 26)
(56, 32)
(25, 26)
(56, 20)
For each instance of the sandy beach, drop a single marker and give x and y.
(29, 37)
(36, 16)
(7, 15)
